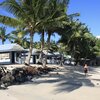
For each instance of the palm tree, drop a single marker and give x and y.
(26, 15)
(19, 37)
(55, 9)
(29, 15)
(80, 42)
(42, 40)
(60, 18)
(97, 47)
(3, 35)
(53, 46)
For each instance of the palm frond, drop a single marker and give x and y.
(13, 7)
(9, 21)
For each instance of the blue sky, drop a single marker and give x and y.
(89, 14)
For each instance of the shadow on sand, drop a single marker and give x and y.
(66, 80)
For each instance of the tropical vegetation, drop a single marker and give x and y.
(48, 17)
(3, 35)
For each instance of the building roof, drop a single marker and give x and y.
(34, 51)
(11, 47)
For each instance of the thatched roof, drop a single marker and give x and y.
(10, 47)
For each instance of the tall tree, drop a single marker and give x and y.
(80, 42)
(3, 35)
(60, 7)
(32, 14)
(28, 14)
(19, 37)
(97, 47)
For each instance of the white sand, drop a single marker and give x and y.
(69, 84)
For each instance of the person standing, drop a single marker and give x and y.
(85, 69)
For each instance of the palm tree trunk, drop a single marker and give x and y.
(62, 59)
(42, 46)
(48, 47)
(27, 61)
(2, 42)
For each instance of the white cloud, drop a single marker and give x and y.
(98, 36)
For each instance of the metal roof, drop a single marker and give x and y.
(11, 47)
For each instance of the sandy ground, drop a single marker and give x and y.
(67, 83)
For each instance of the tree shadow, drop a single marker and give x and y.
(65, 79)
(69, 81)
(72, 81)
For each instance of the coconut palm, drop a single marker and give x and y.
(3, 35)
(29, 15)
(60, 8)
(19, 37)
(25, 14)
(96, 48)
(80, 41)
(57, 10)
(58, 25)
(40, 44)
